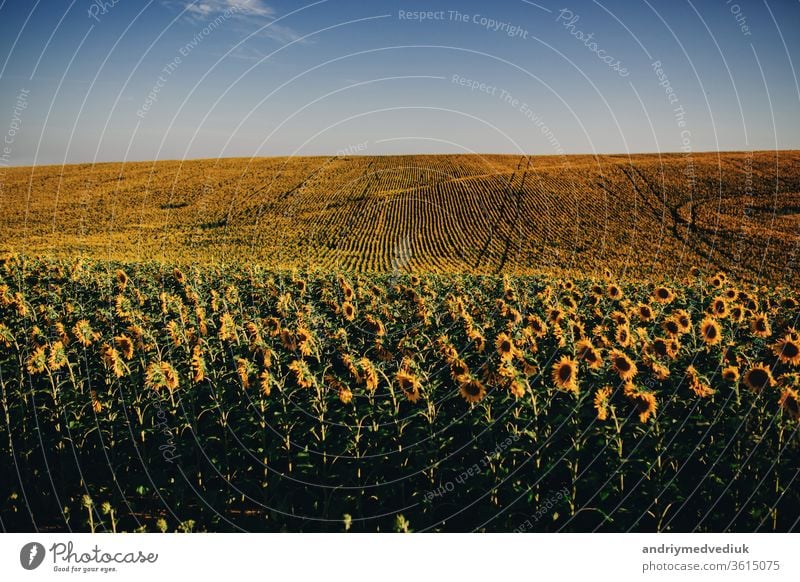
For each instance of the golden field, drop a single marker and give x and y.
(637, 215)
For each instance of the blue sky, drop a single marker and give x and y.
(91, 81)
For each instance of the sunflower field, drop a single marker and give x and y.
(146, 398)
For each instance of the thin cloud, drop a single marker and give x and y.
(252, 13)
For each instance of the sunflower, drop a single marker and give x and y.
(622, 365)
(748, 302)
(684, 320)
(758, 377)
(696, 384)
(660, 371)
(510, 295)
(517, 388)
(645, 402)
(409, 384)
(577, 329)
(459, 370)
(663, 295)
(719, 308)
(37, 363)
(538, 326)
(623, 336)
(288, 340)
(620, 318)
(645, 312)
(731, 294)
(737, 313)
(265, 382)
(112, 360)
(273, 325)
(245, 369)
(447, 349)
(161, 375)
(759, 326)
(585, 350)
(368, 375)
(477, 338)
(122, 279)
(790, 402)
(787, 349)
(614, 292)
(198, 365)
(789, 303)
(730, 374)
(58, 357)
(472, 390)
(565, 374)
(301, 374)
(305, 341)
(84, 333)
(345, 394)
(710, 331)
(529, 369)
(348, 311)
(671, 326)
(505, 347)
(555, 315)
(601, 398)
(227, 328)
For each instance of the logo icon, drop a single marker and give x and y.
(31, 555)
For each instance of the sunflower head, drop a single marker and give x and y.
(759, 326)
(565, 374)
(759, 377)
(472, 390)
(505, 347)
(645, 312)
(663, 294)
(459, 370)
(719, 307)
(790, 403)
(622, 365)
(730, 374)
(348, 311)
(787, 349)
(601, 402)
(409, 384)
(710, 331)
